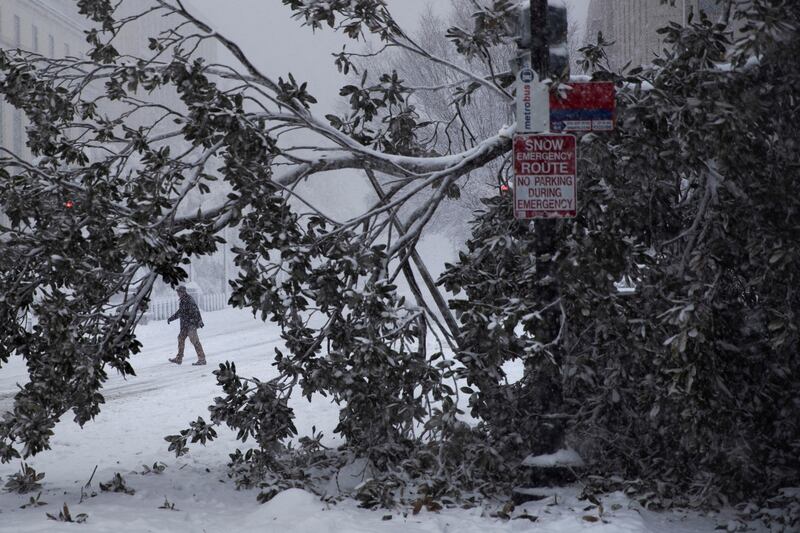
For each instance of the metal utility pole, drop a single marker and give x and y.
(544, 229)
(549, 399)
(540, 51)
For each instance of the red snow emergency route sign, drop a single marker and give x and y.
(545, 176)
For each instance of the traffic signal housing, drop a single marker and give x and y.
(557, 30)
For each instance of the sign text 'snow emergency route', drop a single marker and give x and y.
(545, 182)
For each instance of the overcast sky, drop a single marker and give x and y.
(278, 44)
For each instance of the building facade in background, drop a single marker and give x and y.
(55, 29)
(48, 27)
(52, 28)
(632, 25)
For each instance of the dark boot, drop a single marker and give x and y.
(178, 359)
(199, 362)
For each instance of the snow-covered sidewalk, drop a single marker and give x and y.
(163, 398)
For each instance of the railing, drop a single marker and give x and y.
(212, 302)
(159, 308)
(163, 308)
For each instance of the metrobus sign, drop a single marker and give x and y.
(532, 96)
(545, 176)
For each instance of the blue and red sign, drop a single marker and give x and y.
(587, 106)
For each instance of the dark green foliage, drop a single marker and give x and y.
(65, 516)
(117, 484)
(168, 505)
(353, 18)
(691, 381)
(157, 468)
(778, 513)
(369, 333)
(388, 100)
(256, 409)
(198, 431)
(33, 501)
(373, 494)
(26, 480)
(97, 10)
(292, 93)
(494, 24)
(687, 384)
(96, 236)
(105, 235)
(503, 320)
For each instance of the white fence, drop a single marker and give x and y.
(212, 302)
(163, 308)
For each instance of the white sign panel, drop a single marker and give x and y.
(533, 100)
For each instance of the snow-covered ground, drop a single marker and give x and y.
(163, 398)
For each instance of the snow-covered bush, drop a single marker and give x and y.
(688, 383)
(24, 481)
(691, 381)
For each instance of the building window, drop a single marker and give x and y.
(66, 49)
(711, 8)
(17, 133)
(642, 23)
(17, 32)
(35, 37)
(51, 46)
(626, 34)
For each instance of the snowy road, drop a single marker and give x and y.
(229, 335)
(163, 398)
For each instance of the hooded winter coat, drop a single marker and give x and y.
(188, 312)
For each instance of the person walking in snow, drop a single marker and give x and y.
(190, 318)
